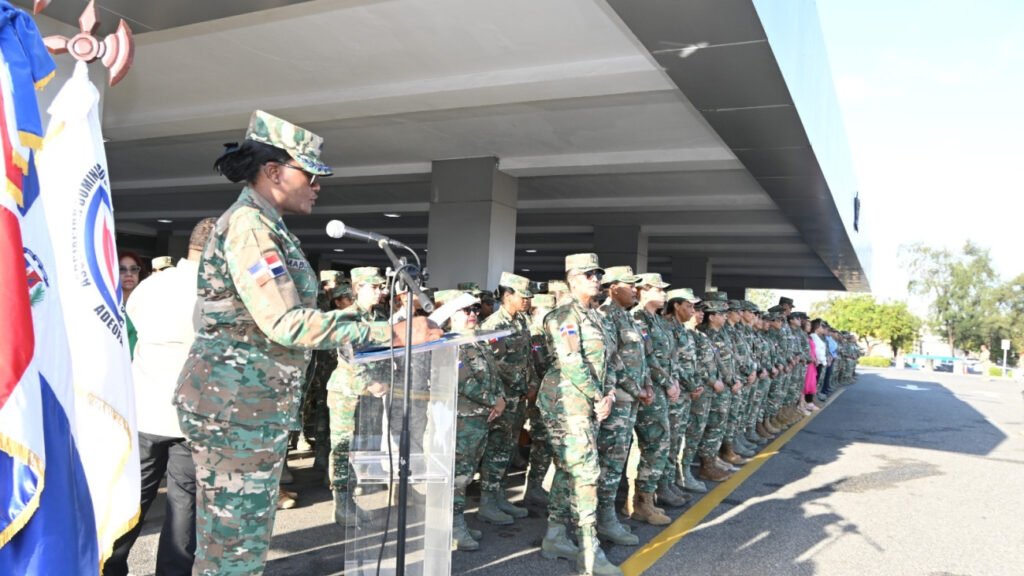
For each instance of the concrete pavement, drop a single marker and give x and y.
(905, 473)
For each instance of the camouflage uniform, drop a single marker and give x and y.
(238, 393)
(540, 448)
(652, 423)
(479, 390)
(575, 381)
(629, 375)
(513, 355)
(718, 419)
(744, 364)
(707, 369)
(689, 380)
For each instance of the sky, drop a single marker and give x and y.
(932, 97)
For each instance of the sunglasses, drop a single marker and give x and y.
(592, 274)
(472, 309)
(312, 177)
(129, 269)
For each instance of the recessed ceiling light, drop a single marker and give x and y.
(392, 215)
(526, 269)
(531, 251)
(339, 249)
(164, 221)
(425, 250)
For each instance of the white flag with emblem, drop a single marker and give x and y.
(75, 190)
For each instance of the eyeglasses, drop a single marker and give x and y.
(312, 177)
(599, 274)
(472, 310)
(129, 269)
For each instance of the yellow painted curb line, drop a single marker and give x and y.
(653, 550)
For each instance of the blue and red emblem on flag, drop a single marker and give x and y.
(569, 330)
(266, 269)
(643, 332)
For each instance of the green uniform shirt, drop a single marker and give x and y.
(630, 362)
(259, 320)
(512, 352)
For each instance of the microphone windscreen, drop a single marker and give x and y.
(335, 228)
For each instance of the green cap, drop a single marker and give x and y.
(735, 305)
(716, 296)
(651, 279)
(681, 294)
(332, 277)
(299, 143)
(520, 284)
(557, 286)
(622, 274)
(713, 306)
(784, 300)
(583, 262)
(777, 309)
(471, 287)
(544, 301)
(800, 315)
(340, 290)
(366, 275)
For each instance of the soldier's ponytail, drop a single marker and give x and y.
(242, 162)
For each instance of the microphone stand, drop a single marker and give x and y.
(409, 276)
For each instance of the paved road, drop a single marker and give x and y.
(904, 473)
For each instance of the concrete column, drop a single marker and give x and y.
(471, 235)
(621, 246)
(692, 272)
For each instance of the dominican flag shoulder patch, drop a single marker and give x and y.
(266, 269)
(569, 330)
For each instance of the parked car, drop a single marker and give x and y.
(944, 367)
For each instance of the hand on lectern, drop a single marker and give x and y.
(423, 330)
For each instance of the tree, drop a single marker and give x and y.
(961, 287)
(872, 322)
(763, 297)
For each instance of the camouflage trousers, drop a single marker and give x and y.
(797, 384)
(736, 411)
(653, 438)
(540, 449)
(238, 473)
(572, 432)
(758, 398)
(502, 439)
(773, 403)
(470, 440)
(699, 411)
(678, 419)
(342, 409)
(613, 436)
(718, 418)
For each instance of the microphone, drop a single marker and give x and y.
(338, 229)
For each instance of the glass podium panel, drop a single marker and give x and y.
(374, 460)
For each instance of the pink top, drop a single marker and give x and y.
(811, 380)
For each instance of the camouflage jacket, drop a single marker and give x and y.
(630, 355)
(258, 321)
(724, 348)
(743, 353)
(513, 352)
(352, 379)
(576, 335)
(542, 357)
(660, 347)
(479, 384)
(686, 357)
(707, 358)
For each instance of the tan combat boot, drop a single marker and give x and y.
(730, 456)
(644, 511)
(763, 431)
(708, 470)
(770, 427)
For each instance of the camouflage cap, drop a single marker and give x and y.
(332, 277)
(471, 287)
(520, 284)
(777, 309)
(735, 305)
(649, 280)
(442, 297)
(340, 290)
(716, 296)
(681, 294)
(713, 306)
(544, 301)
(557, 286)
(366, 275)
(622, 274)
(161, 262)
(749, 306)
(583, 262)
(299, 143)
(784, 300)
(800, 315)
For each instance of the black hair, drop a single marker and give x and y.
(670, 306)
(815, 324)
(239, 163)
(500, 293)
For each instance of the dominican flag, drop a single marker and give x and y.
(266, 269)
(69, 464)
